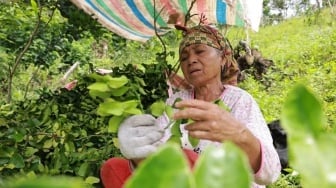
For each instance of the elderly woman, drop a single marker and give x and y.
(207, 64)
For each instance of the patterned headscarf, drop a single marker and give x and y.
(208, 35)
(202, 34)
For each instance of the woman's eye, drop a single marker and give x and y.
(199, 51)
(183, 58)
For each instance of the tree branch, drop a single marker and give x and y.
(19, 57)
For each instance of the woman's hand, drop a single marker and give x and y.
(215, 124)
(210, 121)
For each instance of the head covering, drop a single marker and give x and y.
(209, 35)
(203, 34)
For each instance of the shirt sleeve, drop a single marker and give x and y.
(246, 110)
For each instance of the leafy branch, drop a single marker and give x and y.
(25, 49)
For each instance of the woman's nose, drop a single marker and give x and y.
(192, 59)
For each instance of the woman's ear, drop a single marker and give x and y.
(224, 60)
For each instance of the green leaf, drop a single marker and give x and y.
(130, 104)
(110, 108)
(176, 100)
(160, 171)
(133, 111)
(222, 105)
(311, 150)
(140, 81)
(92, 180)
(17, 161)
(157, 108)
(114, 123)
(175, 129)
(314, 160)
(48, 144)
(30, 151)
(50, 182)
(175, 139)
(46, 114)
(99, 86)
(193, 141)
(225, 166)
(169, 111)
(117, 82)
(83, 169)
(69, 146)
(119, 91)
(18, 137)
(302, 112)
(102, 95)
(34, 6)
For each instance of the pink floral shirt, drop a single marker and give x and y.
(244, 108)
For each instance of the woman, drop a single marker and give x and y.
(206, 61)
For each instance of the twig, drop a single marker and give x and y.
(29, 82)
(19, 57)
(188, 16)
(155, 28)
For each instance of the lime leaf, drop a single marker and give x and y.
(48, 144)
(83, 169)
(193, 141)
(169, 111)
(117, 82)
(17, 161)
(302, 112)
(119, 91)
(114, 123)
(176, 100)
(222, 105)
(133, 111)
(303, 119)
(95, 93)
(34, 6)
(157, 108)
(99, 86)
(150, 173)
(175, 139)
(110, 108)
(225, 166)
(115, 141)
(175, 129)
(92, 180)
(30, 151)
(49, 182)
(130, 104)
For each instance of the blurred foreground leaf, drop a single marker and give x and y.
(166, 168)
(48, 182)
(311, 148)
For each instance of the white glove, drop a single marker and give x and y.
(139, 136)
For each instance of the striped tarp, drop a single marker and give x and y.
(134, 19)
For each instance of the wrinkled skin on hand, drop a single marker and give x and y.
(215, 124)
(210, 121)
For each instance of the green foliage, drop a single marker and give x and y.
(218, 167)
(303, 119)
(59, 133)
(301, 52)
(46, 182)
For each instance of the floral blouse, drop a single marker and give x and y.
(245, 109)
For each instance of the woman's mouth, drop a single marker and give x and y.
(195, 71)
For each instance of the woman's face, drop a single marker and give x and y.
(201, 64)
